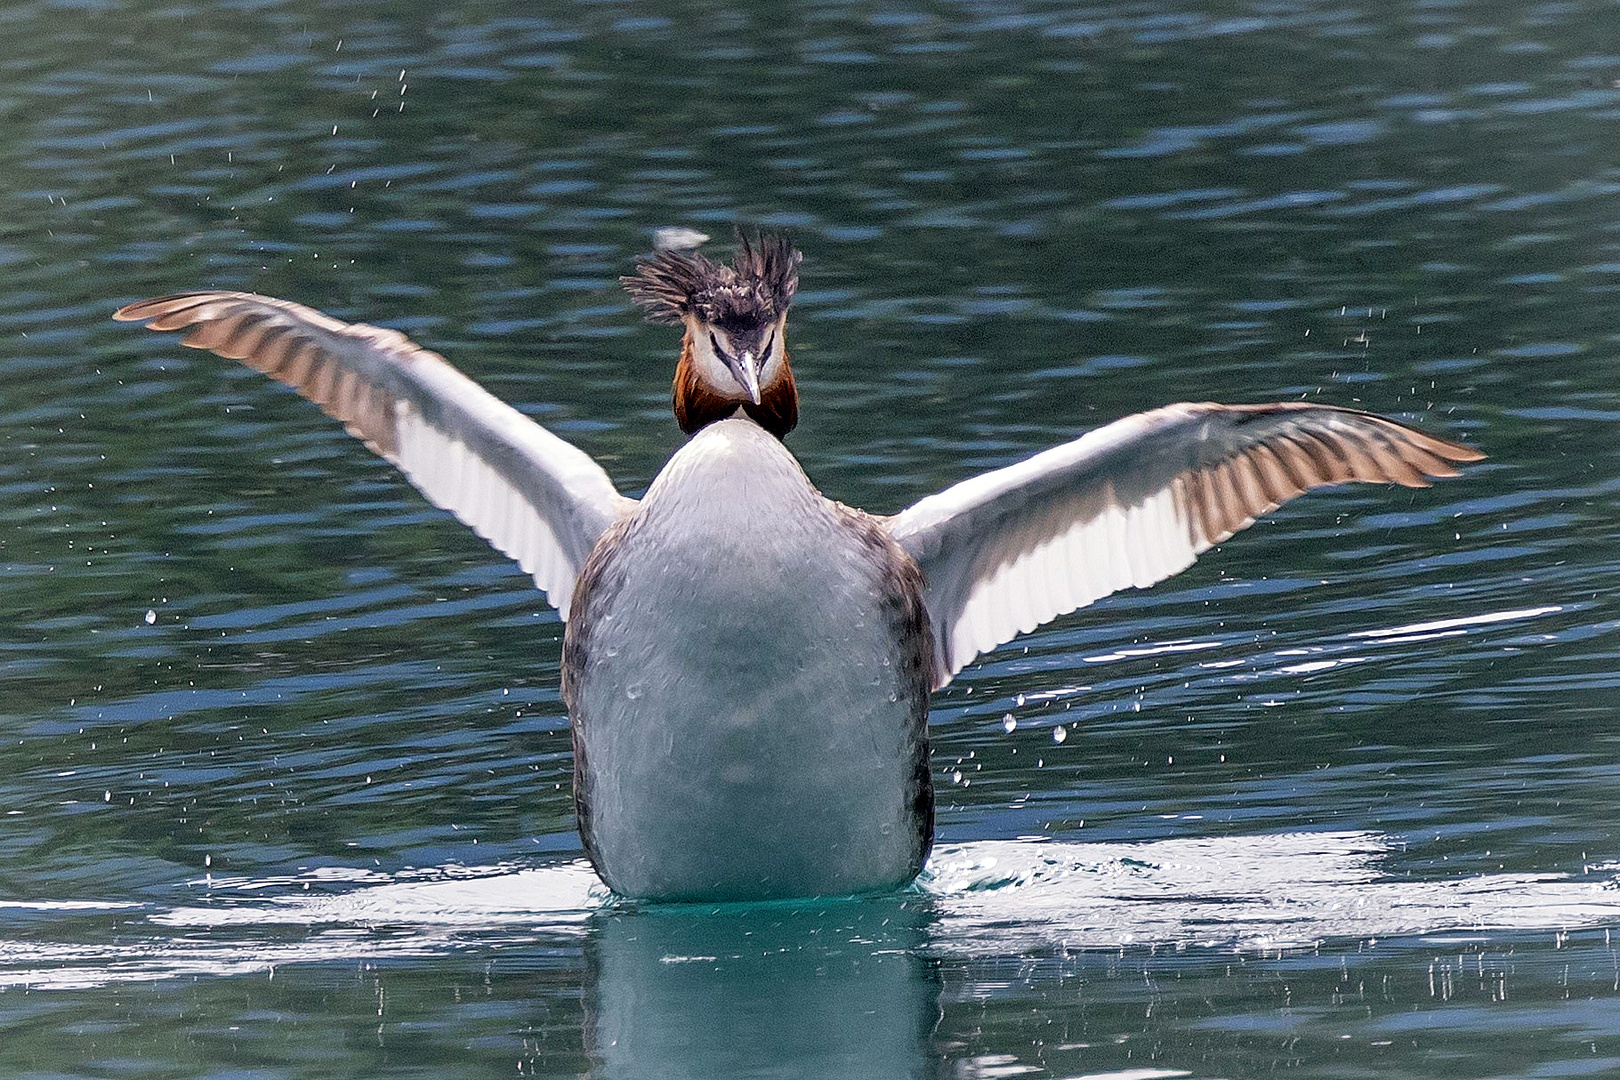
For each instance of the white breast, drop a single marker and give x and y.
(746, 720)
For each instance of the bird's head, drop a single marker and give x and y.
(734, 351)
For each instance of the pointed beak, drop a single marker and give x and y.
(746, 369)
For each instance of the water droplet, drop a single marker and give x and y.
(894, 695)
(1019, 701)
(1008, 723)
(633, 691)
(151, 616)
(1059, 733)
(956, 777)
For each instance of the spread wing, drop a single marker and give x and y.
(536, 498)
(1133, 503)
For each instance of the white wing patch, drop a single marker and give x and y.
(1064, 569)
(1131, 504)
(533, 496)
(454, 478)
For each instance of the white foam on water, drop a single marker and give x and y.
(1276, 891)
(492, 896)
(418, 914)
(1245, 893)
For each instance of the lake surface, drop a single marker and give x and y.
(283, 768)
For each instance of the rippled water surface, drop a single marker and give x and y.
(283, 768)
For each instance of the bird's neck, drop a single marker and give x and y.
(698, 404)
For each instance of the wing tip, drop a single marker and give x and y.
(156, 307)
(150, 308)
(1448, 450)
(1461, 453)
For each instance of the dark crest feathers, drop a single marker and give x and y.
(757, 287)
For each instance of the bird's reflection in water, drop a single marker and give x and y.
(829, 989)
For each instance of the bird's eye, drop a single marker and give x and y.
(718, 351)
(765, 354)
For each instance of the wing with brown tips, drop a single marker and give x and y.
(1131, 504)
(536, 498)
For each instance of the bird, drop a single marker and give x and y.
(747, 664)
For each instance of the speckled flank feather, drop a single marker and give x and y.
(757, 287)
(903, 609)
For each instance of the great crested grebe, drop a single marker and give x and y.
(747, 664)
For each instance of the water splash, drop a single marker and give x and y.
(1252, 893)
(1247, 894)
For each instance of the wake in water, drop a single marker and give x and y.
(1250, 894)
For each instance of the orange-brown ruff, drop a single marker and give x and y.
(746, 663)
(697, 405)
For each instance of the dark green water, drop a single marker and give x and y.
(1340, 801)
